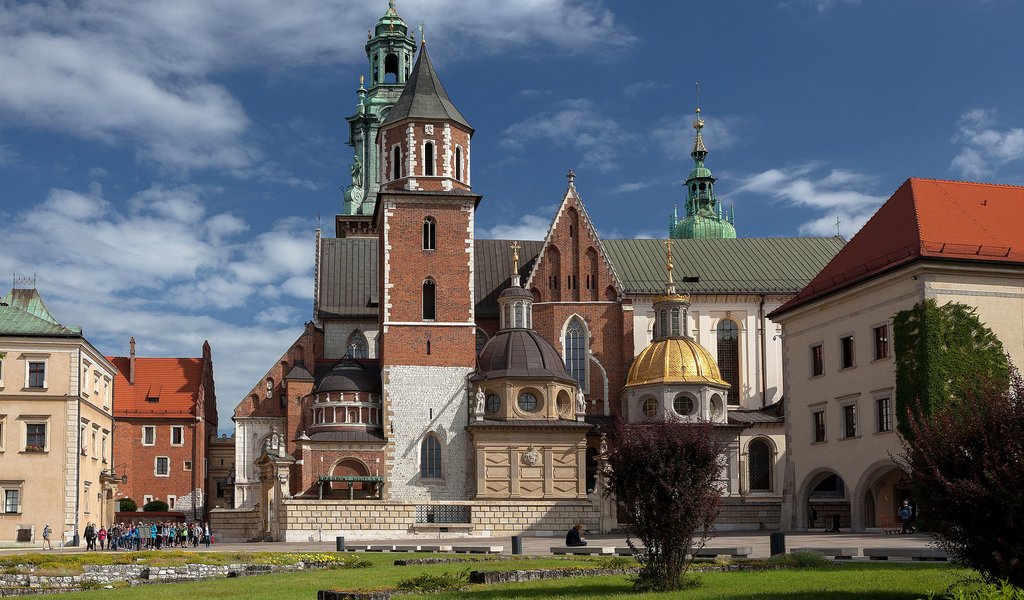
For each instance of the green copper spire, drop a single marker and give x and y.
(390, 49)
(704, 216)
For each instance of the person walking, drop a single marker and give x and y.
(905, 513)
(47, 532)
(102, 537)
(207, 534)
(90, 537)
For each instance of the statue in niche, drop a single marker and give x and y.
(478, 409)
(581, 402)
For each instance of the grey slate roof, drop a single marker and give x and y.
(348, 281)
(492, 270)
(424, 97)
(740, 265)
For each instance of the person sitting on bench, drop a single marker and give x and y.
(574, 537)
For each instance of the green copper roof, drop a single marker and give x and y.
(22, 312)
(701, 226)
(743, 265)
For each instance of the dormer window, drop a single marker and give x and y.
(152, 399)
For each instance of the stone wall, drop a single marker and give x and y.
(745, 515)
(235, 524)
(322, 520)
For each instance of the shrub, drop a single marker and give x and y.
(155, 506)
(128, 505)
(664, 475)
(800, 558)
(441, 582)
(965, 462)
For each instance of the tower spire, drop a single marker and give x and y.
(515, 263)
(670, 285)
(699, 152)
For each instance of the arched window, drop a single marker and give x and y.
(675, 321)
(429, 300)
(357, 346)
(429, 234)
(458, 163)
(396, 163)
(759, 466)
(428, 158)
(650, 407)
(507, 324)
(663, 322)
(390, 69)
(576, 351)
(519, 314)
(729, 357)
(430, 457)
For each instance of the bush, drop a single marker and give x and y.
(155, 506)
(965, 464)
(128, 505)
(664, 475)
(800, 558)
(996, 591)
(442, 582)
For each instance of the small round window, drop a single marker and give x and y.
(650, 407)
(683, 405)
(492, 404)
(716, 407)
(527, 402)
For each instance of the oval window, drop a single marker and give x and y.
(683, 405)
(702, 186)
(492, 404)
(527, 402)
(650, 407)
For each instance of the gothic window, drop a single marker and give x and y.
(428, 158)
(729, 357)
(429, 234)
(357, 345)
(759, 466)
(576, 351)
(429, 300)
(396, 163)
(430, 457)
(458, 163)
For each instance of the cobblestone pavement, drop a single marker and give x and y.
(757, 540)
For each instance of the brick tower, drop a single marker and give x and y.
(424, 220)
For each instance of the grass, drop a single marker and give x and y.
(870, 581)
(71, 564)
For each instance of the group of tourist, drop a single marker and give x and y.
(147, 536)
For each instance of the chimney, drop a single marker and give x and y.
(131, 367)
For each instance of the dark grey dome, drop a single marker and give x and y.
(520, 353)
(350, 376)
(515, 292)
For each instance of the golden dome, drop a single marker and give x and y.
(674, 360)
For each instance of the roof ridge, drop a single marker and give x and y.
(966, 182)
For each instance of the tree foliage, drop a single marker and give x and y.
(967, 465)
(664, 476)
(128, 505)
(941, 353)
(155, 506)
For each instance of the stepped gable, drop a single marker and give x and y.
(926, 218)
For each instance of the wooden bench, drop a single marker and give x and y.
(627, 551)
(739, 552)
(356, 547)
(583, 550)
(478, 549)
(911, 553)
(836, 553)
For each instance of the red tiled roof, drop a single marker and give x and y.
(927, 218)
(175, 381)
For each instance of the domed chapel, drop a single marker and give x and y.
(446, 384)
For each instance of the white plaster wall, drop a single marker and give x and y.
(249, 435)
(336, 334)
(418, 400)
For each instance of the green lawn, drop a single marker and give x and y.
(879, 581)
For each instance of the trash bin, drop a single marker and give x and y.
(517, 544)
(777, 541)
(835, 523)
(339, 543)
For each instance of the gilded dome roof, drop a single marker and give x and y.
(674, 360)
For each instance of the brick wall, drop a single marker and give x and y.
(411, 138)
(138, 461)
(307, 347)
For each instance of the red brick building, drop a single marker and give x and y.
(165, 411)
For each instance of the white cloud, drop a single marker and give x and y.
(577, 124)
(529, 227)
(819, 5)
(642, 88)
(145, 73)
(984, 148)
(675, 134)
(632, 186)
(840, 193)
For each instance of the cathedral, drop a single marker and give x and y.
(449, 384)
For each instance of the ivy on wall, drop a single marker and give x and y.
(943, 354)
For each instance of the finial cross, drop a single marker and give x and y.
(668, 257)
(515, 256)
(423, 36)
(571, 176)
(838, 221)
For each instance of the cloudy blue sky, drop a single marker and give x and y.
(162, 164)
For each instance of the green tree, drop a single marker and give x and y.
(942, 352)
(155, 506)
(128, 505)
